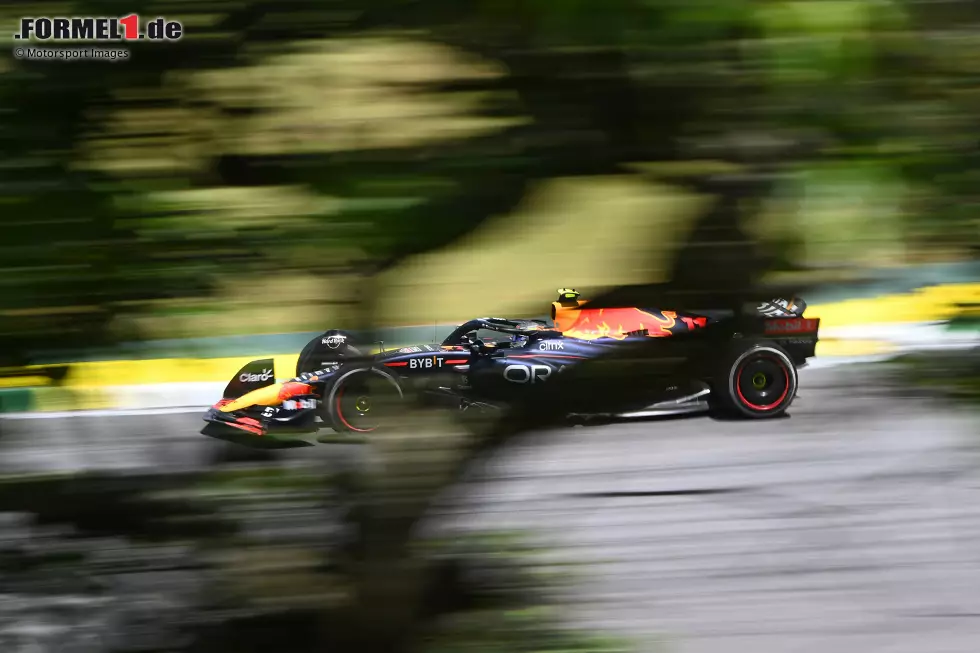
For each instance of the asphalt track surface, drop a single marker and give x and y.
(850, 526)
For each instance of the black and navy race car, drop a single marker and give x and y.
(741, 363)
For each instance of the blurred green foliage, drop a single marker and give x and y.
(250, 559)
(268, 139)
(953, 376)
(317, 142)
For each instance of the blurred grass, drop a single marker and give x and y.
(381, 92)
(956, 375)
(519, 610)
(281, 302)
(590, 232)
(276, 552)
(932, 303)
(587, 233)
(530, 630)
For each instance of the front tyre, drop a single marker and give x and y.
(360, 399)
(760, 381)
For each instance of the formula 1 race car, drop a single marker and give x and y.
(742, 363)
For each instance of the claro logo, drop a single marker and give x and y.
(247, 377)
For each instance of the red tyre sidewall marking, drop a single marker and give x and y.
(340, 414)
(749, 404)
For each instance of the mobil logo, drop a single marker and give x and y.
(797, 325)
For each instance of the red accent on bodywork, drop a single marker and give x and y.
(693, 322)
(400, 364)
(792, 325)
(292, 389)
(247, 424)
(617, 322)
(457, 362)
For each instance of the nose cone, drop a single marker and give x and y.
(267, 396)
(291, 389)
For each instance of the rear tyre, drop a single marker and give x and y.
(361, 399)
(759, 381)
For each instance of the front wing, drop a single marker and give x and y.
(266, 427)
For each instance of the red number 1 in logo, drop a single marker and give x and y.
(132, 25)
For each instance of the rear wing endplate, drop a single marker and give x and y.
(792, 327)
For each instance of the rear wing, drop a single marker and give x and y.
(797, 335)
(792, 327)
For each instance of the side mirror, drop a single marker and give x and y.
(478, 347)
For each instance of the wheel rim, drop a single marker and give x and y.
(362, 401)
(762, 382)
(353, 406)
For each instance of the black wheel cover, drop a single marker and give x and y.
(362, 399)
(353, 403)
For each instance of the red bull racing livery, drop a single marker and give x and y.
(743, 363)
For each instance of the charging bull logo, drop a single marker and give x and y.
(590, 324)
